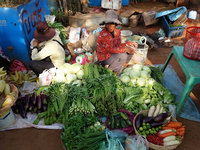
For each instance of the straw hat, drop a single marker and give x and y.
(43, 32)
(111, 17)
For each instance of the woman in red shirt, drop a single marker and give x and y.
(110, 50)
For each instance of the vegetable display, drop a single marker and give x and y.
(30, 103)
(144, 89)
(82, 132)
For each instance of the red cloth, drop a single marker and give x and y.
(107, 45)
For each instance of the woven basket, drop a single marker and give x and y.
(14, 90)
(151, 145)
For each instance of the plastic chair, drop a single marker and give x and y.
(191, 68)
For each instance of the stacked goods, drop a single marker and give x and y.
(30, 103)
(161, 133)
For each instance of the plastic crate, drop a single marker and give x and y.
(172, 31)
(125, 2)
(95, 3)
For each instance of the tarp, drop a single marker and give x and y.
(173, 14)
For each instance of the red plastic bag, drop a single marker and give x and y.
(17, 65)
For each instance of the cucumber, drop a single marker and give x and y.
(129, 122)
(123, 123)
(112, 122)
(124, 116)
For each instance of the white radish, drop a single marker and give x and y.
(175, 142)
(169, 138)
(165, 131)
(161, 110)
(151, 111)
(157, 110)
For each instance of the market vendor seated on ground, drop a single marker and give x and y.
(110, 50)
(47, 51)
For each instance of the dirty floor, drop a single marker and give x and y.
(37, 139)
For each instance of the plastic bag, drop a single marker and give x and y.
(136, 142)
(114, 140)
(46, 76)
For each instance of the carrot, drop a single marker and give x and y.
(174, 124)
(181, 133)
(165, 128)
(167, 134)
(180, 129)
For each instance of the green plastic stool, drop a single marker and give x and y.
(191, 68)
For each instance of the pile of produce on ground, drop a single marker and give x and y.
(80, 96)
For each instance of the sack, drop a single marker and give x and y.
(136, 142)
(46, 76)
(17, 65)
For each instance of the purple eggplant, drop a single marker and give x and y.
(43, 98)
(21, 109)
(44, 107)
(39, 102)
(34, 98)
(39, 111)
(27, 102)
(148, 119)
(156, 124)
(161, 117)
(139, 120)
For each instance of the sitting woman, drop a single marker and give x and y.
(47, 50)
(110, 50)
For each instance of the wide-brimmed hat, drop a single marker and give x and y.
(111, 17)
(43, 32)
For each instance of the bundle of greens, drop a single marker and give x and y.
(82, 132)
(60, 27)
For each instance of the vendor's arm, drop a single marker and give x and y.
(45, 52)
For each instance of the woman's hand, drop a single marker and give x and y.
(132, 44)
(129, 50)
(35, 43)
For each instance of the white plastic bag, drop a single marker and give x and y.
(136, 142)
(46, 76)
(74, 34)
(111, 4)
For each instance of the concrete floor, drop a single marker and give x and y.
(36, 139)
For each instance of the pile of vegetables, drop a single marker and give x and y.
(60, 27)
(102, 94)
(158, 128)
(6, 90)
(69, 73)
(144, 88)
(81, 132)
(119, 120)
(30, 103)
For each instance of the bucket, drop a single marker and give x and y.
(7, 118)
(125, 34)
(192, 43)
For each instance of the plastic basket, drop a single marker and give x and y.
(192, 43)
(172, 31)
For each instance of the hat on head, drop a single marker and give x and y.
(111, 17)
(43, 32)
